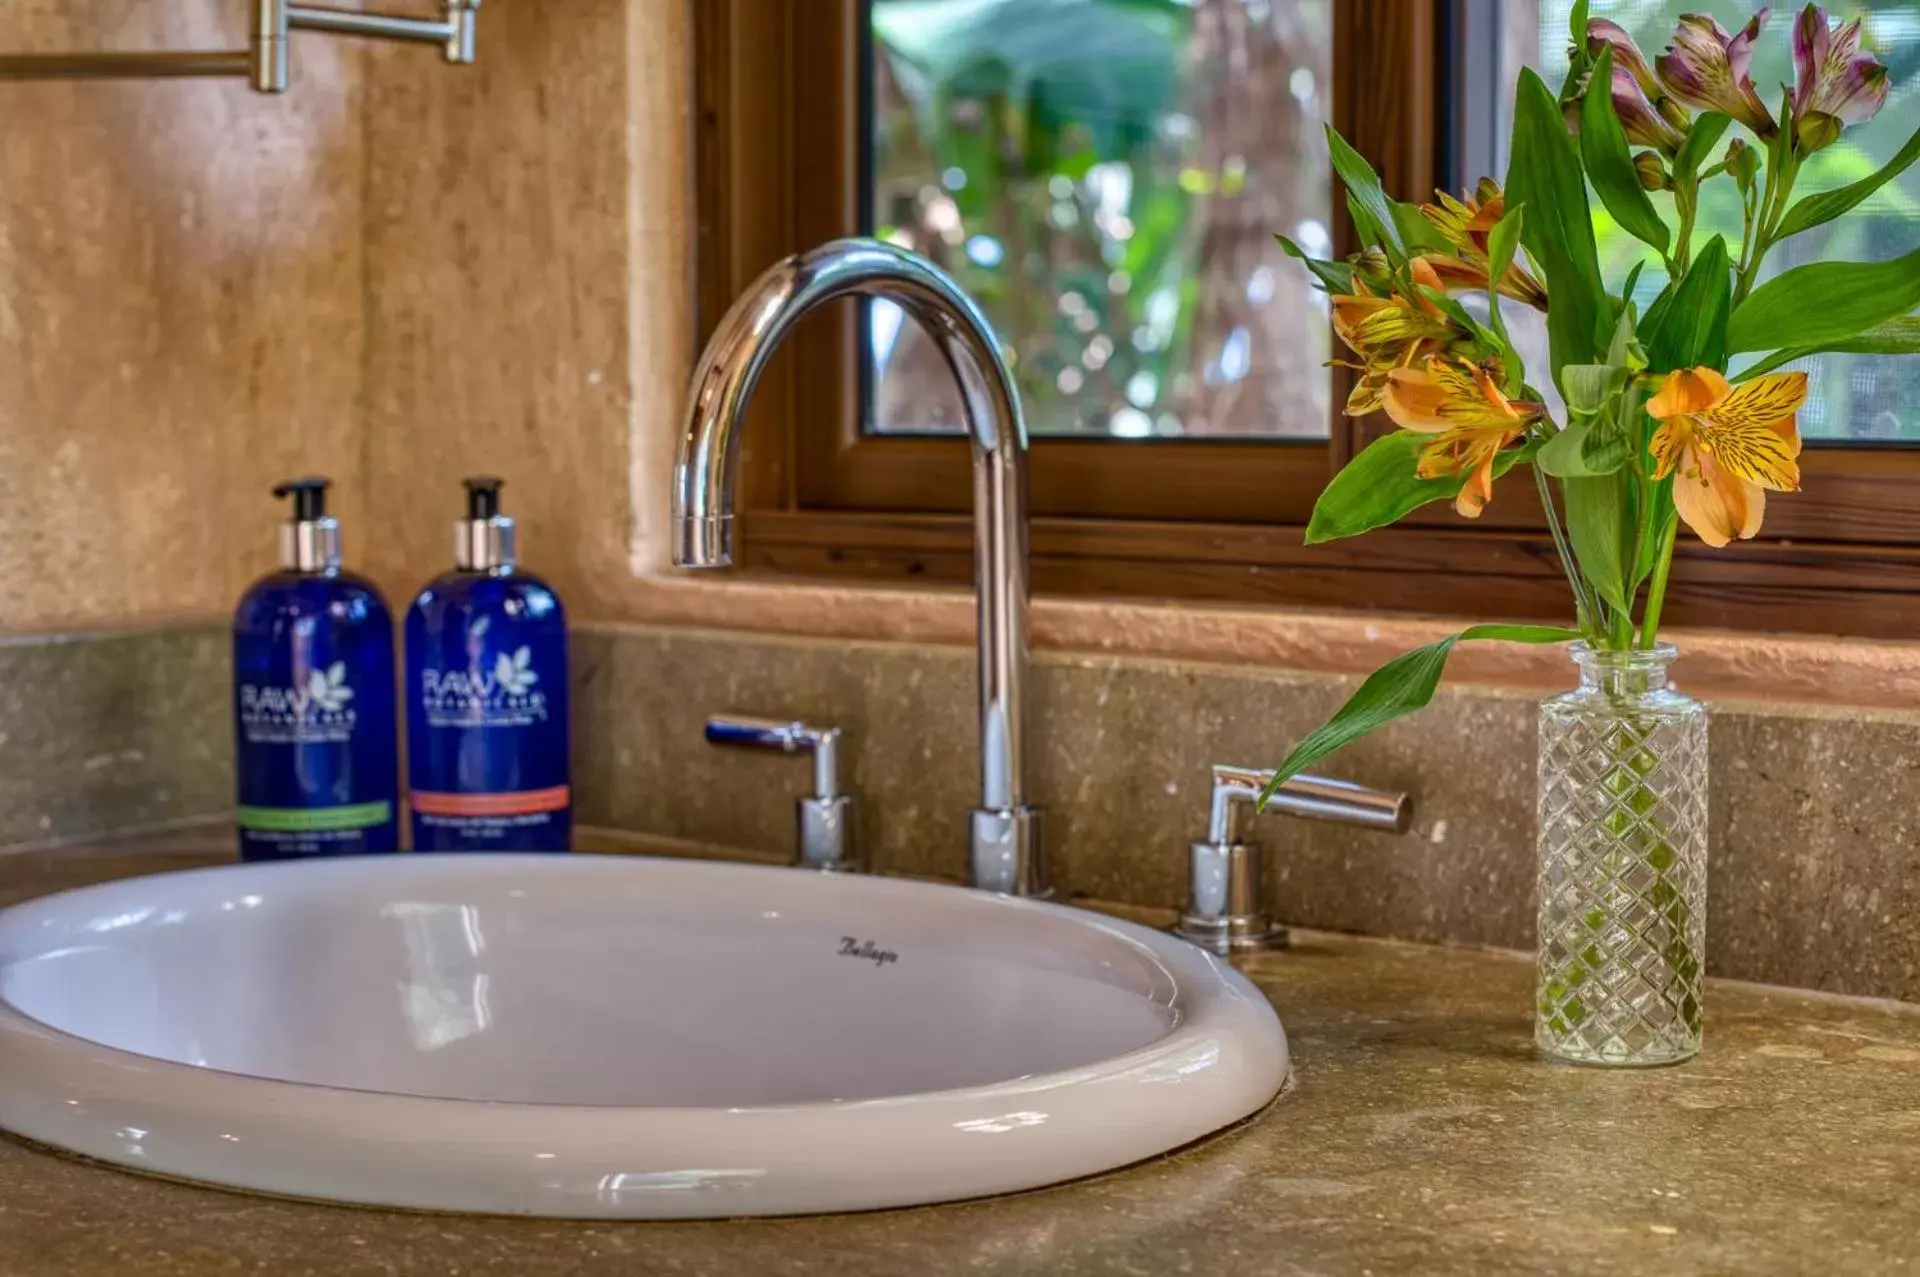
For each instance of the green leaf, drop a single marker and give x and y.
(1708, 128)
(1416, 232)
(1585, 450)
(1660, 496)
(1824, 302)
(1503, 241)
(1610, 162)
(1335, 277)
(1598, 524)
(1629, 317)
(1560, 455)
(1544, 174)
(1404, 684)
(1687, 326)
(1606, 449)
(1366, 228)
(1589, 386)
(1895, 337)
(1372, 211)
(1577, 25)
(1632, 281)
(1453, 310)
(1813, 210)
(1380, 486)
(1625, 351)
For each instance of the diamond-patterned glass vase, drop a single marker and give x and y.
(1623, 864)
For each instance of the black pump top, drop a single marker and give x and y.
(309, 497)
(483, 497)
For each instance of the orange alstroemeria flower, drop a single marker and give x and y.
(1726, 446)
(1388, 332)
(1470, 419)
(1468, 226)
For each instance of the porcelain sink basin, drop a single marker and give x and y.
(588, 1036)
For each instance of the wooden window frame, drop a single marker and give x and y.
(1215, 521)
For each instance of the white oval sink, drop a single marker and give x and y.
(616, 1037)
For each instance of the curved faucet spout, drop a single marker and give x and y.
(1007, 851)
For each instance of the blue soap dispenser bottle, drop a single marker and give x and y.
(315, 721)
(488, 749)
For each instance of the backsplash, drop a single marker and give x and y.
(1816, 843)
(100, 733)
(1815, 838)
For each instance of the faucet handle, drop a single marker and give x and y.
(1223, 910)
(827, 820)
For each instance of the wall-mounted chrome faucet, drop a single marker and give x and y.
(1007, 851)
(264, 61)
(1226, 911)
(827, 822)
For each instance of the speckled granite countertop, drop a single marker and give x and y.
(1423, 1136)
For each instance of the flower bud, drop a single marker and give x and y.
(1371, 265)
(1652, 171)
(1815, 130)
(1743, 162)
(1673, 113)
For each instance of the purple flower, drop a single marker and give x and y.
(1646, 115)
(1626, 54)
(1834, 83)
(1643, 125)
(1709, 68)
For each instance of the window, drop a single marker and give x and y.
(1106, 181)
(1106, 177)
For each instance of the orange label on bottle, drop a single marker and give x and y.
(524, 803)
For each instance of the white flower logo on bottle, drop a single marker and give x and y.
(513, 674)
(327, 690)
(506, 695)
(311, 710)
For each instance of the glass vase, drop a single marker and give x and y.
(1623, 864)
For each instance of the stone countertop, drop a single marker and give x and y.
(1423, 1135)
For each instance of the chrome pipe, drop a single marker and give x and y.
(156, 65)
(378, 26)
(1007, 849)
(464, 17)
(264, 61)
(268, 37)
(1237, 789)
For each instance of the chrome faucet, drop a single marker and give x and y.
(264, 61)
(1226, 910)
(1007, 850)
(827, 821)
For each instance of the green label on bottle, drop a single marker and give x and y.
(315, 819)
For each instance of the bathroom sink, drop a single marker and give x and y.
(588, 1036)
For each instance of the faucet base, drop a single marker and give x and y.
(829, 837)
(1009, 852)
(1223, 912)
(1248, 933)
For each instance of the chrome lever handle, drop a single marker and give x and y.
(827, 836)
(1224, 911)
(1237, 789)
